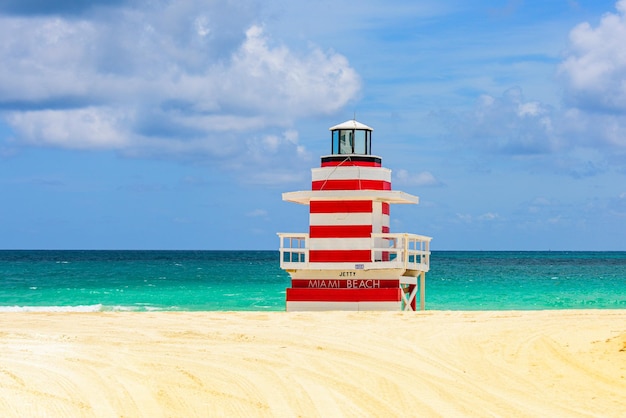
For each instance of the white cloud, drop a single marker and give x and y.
(42, 58)
(593, 129)
(268, 149)
(464, 217)
(275, 79)
(258, 213)
(86, 128)
(424, 178)
(174, 79)
(202, 26)
(584, 137)
(595, 67)
(489, 216)
(485, 217)
(509, 125)
(529, 109)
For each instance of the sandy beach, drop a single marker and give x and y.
(427, 364)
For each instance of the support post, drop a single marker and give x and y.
(422, 291)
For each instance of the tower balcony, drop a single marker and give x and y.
(408, 252)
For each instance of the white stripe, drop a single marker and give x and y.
(379, 306)
(340, 219)
(343, 306)
(377, 216)
(327, 266)
(340, 243)
(347, 173)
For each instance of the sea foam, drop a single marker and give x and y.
(80, 308)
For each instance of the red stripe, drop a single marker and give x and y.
(341, 206)
(351, 184)
(385, 230)
(340, 231)
(385, 208)
(339, 256)
(351, 163)
(343, 295)
(344, 284)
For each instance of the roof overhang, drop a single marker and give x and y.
(388, 196)
(351, 124)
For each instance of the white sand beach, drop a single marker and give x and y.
(329, 364)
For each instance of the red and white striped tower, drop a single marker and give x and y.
(350, 260)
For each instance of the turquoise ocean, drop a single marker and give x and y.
(253, 280)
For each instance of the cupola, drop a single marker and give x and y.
(352, 138)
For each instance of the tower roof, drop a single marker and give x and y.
(350, 124)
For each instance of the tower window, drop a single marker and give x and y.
(351, 141)
(346, 142)
(360, 146)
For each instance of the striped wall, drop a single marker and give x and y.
(340, 232)
(351, 178)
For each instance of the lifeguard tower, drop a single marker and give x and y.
(350, 260)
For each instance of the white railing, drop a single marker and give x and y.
(407, 251)
(294, 249)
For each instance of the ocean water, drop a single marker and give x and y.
(253, 280)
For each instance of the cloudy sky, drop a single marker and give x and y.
(177, 124)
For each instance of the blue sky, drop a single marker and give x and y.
(136, 124)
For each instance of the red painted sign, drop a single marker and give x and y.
(344, 284)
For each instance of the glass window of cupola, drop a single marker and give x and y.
(346, 142)
(351, 141)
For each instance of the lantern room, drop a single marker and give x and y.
(351, 137)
